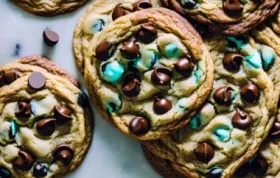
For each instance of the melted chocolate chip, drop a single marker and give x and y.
(275, 131)
(223, 95)
(204, 152)
(241, 120)
(250, 93)
(232, 61)
(62, 114)
(24, 161)
(40, 170)
(243, 170)
(139, 125)
(130, 50)
(147, 33)
(50, 37)
(131, 86)
(141, 4)
(5, 173)
(37, 81)
(46, 127)
(233, 7)
(103, 50)
(9, 77)
(23, 110)
(63, 153)
(184, 66)
(118, 12)
(161, 105)
(161, 76)
(259, 166)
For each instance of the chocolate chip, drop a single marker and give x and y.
(37, 81)
(161, 105)
(40, 170)
(147, 33)
(142, 4)
(275, 131)
(189, 4)
(243, 171)
(215, 173)
(130, 50)
(161, 75)
(233, 7)
(23, 110)
(50, 37)
(13, 130)
(62, 114)
(10, 76)
(223, 95)
(103, 50)
(118, 12)
(46, 127)
(250, 93)
(63, 153)
(184, 66)
(204, 152)
(241, 120)
(24, 161)
(5, 173)
(131, 86)
(139, 125)
(83, 100)
(232, 61)
(259, 166)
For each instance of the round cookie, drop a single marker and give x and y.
(234, 121)
(97, 17)
(46, 126)
(49, 7)
(229, 17)
(147, 72)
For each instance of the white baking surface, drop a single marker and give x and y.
(112, 155)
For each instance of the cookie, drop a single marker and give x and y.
(235, 120)
(46, 123)
(98, 16)
(229, 17)
(49, 7)
(147, 72)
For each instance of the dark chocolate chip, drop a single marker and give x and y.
(10, 76)
(241, 120)
(161, 75)
(103, 50)
(63, 153)
(24, 161)
(40, 170)
(275, 131)
(147, 33)
(23, 110)
(141, 4)
(259, 166)
(118, 12)
(223, 95)
(188, 4)
(233, 7)
(83, 100)
(130, 50)
(204, 152)
(37, 81)
(184, 66)
(62, 114)
(50, 37)
(46, 127)
(139, 125)
(131, 86)
(5, 173)
(232, 61)
(243, 171)
(250, 93)
(215, 173)
(161, 105)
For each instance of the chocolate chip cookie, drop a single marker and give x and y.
(234, 121)
(230, 17)
(49, 7)
(45, 120)
(147, 72)
(98, 16)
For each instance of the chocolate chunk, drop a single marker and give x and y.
(50, 37)
(275, 131)
(37, 81)
(232, 61)
(142, 4)
(204, 152)
(10, 76)
(215, 173)
(147, 33)
(130, 50)
(161, 75)
(63, 153)
(188, 4)
(184, 66)
(24, 161)
(118, 12)
(40, 170)
(23, 110)
(241, 120)
(250, 93)
(131, 86)
(103, 50)
(5, 173)
(259, 166)
(139, 125)
(243, 171)
(233, 7)
(161, 105)
(46, 127)
(223, 95)
(83, 100)
(62, 114)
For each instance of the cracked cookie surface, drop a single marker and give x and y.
(147, 72)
